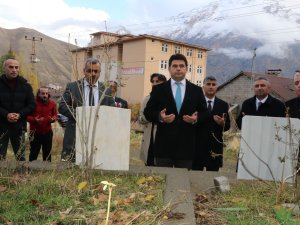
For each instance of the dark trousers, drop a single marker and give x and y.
(167, 162)
(41, 140)
(68, 151)
(17, 140)
(150, 157)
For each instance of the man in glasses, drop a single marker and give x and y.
(262, 104)
(88, 91)
(16, 103)
(119, 102)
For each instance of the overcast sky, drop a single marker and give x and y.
(79, 18)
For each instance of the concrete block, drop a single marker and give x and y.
(222, 184)
(268, 149)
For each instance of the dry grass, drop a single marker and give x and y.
(58, 134)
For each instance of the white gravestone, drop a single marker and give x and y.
(268, 149)
(111, 129)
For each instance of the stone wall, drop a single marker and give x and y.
(236, 91)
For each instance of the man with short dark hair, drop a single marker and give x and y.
(84, 92)
(16, 103)
(262, 104)
(209, 152)
(40, 121)
(176, 106)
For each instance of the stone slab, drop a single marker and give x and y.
(267, 149)
(103, 134)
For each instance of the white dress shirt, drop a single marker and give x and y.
(262, 101)
(212, 101)
(87, 92)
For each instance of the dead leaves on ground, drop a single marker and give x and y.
(2, 188)
(203, 210)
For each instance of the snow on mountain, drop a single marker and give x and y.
(234, 30)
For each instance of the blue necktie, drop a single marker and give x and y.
(258, 105)
(178, 96)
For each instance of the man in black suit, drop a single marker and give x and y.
(262, 104)
(209, 152)
(293, 105)
(119, 102)
(176, 106)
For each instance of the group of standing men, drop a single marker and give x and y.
(19, 106)
(189, 126)
(185, 123)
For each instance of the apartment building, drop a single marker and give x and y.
(131, 60)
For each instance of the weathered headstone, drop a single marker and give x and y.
(109, 148)
(268, 148)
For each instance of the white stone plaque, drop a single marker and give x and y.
(103, 138)
(268, 150)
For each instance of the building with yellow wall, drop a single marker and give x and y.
(131, 60)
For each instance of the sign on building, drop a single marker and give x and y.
(133, 71)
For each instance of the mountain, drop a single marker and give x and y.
(234, 30)
(55, 65)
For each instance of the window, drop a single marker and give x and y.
(190, 68)
(198, 82)
(164, 64)
(177, 49)
(199, 69)
(200, 54)
(189, 52)
(164, 47)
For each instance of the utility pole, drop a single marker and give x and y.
(252, 65)
(33, 57)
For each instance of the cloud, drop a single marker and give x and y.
(274, 22)
(54, 18)
(236, 53)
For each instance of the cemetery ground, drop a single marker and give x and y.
(76, 196)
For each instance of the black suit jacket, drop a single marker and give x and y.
(272, 107)
(209, 151)
(293, 107)
(175, 140)
(123, 102)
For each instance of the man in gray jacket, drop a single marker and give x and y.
(84, 92)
